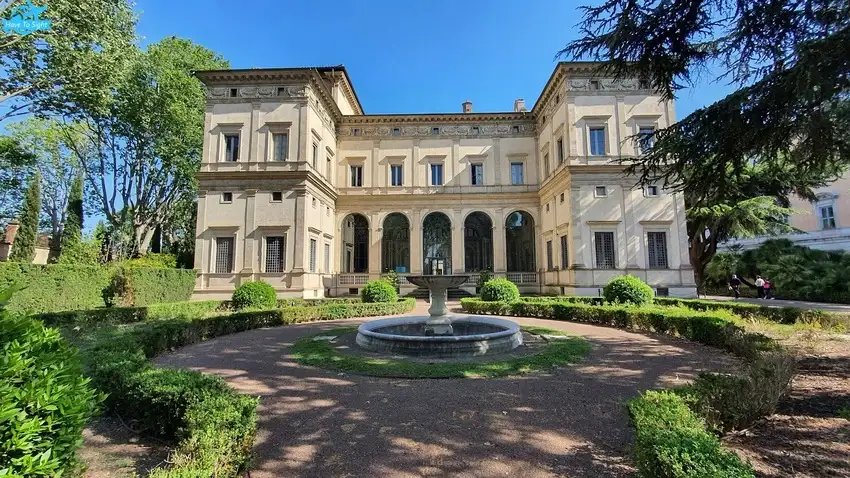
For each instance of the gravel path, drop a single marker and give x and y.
(573, 421)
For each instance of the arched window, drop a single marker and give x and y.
(355, 243)
(519, 242)
(395, 244)
(478, 242)
(437, 243)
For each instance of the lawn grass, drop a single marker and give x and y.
(320, 353)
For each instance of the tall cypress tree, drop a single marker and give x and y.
(72, 231)
(23, 249)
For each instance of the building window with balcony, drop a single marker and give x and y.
(312, 255)
(597, 141)
(564, 251)
(280, 142)
(275, 254)
(516, 174)
(231, 147)
(396, 178)
(560, 150)
(356, 176)
(645, 138)
(224, 255)
(656, 244)
(827, 216)
(436, 175)
(477, 170)
(604, 248)
(550, 261)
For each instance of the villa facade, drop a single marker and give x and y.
(300, 188)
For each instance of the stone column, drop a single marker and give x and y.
(254, 132)
(202, 254)
(375, 235)
(299, 230)
(457, 242)
(499, 246)
(248, 257)
(579, 245)
(416, 258)
(633, 238)
(497, 162)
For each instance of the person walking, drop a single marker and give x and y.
(768, 291)
(735, 286)
(760, 287)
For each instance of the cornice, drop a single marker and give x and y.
(401, 130)
(305, 177)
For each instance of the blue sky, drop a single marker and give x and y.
(403, 57)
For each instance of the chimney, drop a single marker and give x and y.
(519, 105)
(11, 231)
(467, 107)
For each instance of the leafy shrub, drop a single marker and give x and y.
(627, 290)
(501, 290)
(782, 315)
(45, 401)
(137, 286)
(317, 302)
(255, 295)
(672, 442)
(484, 275)
(378, 291)
(391, 277)
(126, 315)
(153, 261)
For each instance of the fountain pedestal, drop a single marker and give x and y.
(439, 321)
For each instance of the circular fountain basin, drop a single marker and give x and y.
(471, 336)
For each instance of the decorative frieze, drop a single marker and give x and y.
(437, 130)
(298, 91)
(605, 84)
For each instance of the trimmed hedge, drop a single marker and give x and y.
(499, 289)
(378, 291)
(53, 287)
(61, 287)
(214, 425)
(782, 315)
(671, 441)
(128, 315)
(44, 400)
(628, 290)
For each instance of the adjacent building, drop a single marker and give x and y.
(301, 188)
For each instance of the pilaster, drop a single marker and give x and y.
(413, 169)
(497, 161)
(201, 251)
(254, 131)
(299, 232)
(416, 259)
(457, 241)
(303, 132)
(580, 234)
(249, 256)
(375, 236)
(499, 242)
(633, 237)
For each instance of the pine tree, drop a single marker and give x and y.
(23, 249)
(72, 231)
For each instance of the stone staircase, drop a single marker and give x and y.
(453, 293)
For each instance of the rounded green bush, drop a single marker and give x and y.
(254, 295)
(628, 290)
(378, 291)
(499, 290)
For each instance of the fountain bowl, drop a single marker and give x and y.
(438, 281)
(471, 336)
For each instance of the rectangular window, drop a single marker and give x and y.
(597, 141)
(281, 146)
(435, 130)
(396, 175)
(645, 139)
(234, 92)
(231, 147)
(223, 255)
(657, 244)
(476, 130)
(356, 176)
(327, 257)
(560, 148)
(827, 217)
(594, 84)
(515, 129)
(651, 191)
(312, 255)
(550, 264)
(564, 256)
(604, 250)
(600, 191)
(328, 167)
(355, 132)
(562, 198)
(275, 253)
(277, 196)
(227, 198)
(396, 131)
(516, 173)
(477, 174)
(546, 166)
(436, 175)
(315, 156)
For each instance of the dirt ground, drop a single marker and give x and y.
(112, 450)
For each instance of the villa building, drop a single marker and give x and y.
(300, 188)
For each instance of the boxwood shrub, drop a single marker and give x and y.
(627, 290)
(499, 289)
(127, 315)
(378, 291)
(45, 401)
(254, 295)
(782, 315)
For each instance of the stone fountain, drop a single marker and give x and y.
(441, 334)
